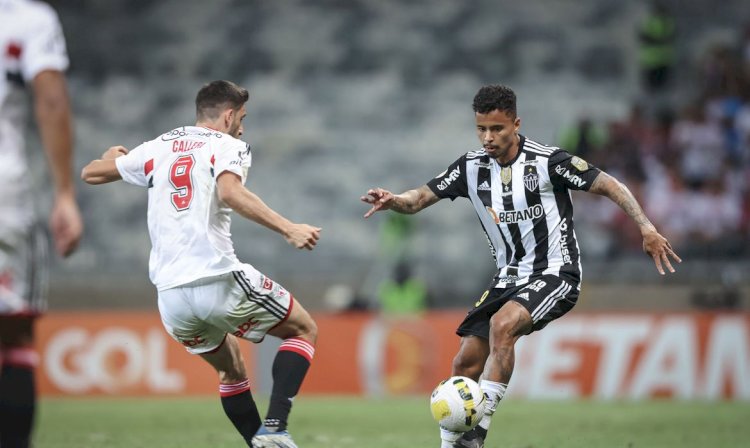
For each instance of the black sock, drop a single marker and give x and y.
(239, 406)
(289, 369)
(17, 405)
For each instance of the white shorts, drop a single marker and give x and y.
(244, 303)
(23, 272)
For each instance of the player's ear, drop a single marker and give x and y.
(228, 117)
(517, 123)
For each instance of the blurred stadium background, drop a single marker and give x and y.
(346, 95)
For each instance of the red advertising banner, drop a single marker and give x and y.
(116, 353)
(600, 356)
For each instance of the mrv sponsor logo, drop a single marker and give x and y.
(449, 180)
(573, 178)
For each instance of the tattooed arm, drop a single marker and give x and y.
(408, 202)
(654, 244)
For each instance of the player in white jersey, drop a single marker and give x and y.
(520, 191)
(207, 298)
(33, 59)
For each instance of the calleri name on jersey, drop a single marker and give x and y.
(524, 207)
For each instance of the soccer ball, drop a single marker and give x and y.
(457, 404)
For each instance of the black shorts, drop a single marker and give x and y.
(546, 298)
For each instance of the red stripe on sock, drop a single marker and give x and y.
(299, 346)
(228, 390)
(25, 357)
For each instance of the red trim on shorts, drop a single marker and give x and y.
(217, 347)
(288, 313)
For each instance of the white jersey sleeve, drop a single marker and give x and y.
(44, 46)
(233, 156)
(134, 168)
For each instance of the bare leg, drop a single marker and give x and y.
(506, 327)
(471, 357)
(234, 387)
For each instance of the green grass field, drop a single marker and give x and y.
(393, 423)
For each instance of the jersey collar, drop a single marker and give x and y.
(521, 140)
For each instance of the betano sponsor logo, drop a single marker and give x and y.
(514, 216)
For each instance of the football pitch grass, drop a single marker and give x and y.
(333, 422)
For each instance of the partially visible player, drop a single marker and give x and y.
(33, 59)
(208, 300)
(520, 190)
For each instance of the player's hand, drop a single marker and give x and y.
(65, 224)
(303, 236)
(114, 152)
(660, 250)
(379, 198)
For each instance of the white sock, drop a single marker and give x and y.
(493, 393)
(448, 437)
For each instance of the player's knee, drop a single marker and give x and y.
(469, 366)
(305, 327)
(509, 324)
(232, 375)
(312, 331)
(307, 330)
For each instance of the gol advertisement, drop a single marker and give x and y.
(600, 356)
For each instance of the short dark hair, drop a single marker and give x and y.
(495, 97)
(217, 96)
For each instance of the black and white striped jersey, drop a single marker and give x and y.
(524, 207)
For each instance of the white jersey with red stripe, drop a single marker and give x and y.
(31, 41)
(189, 225)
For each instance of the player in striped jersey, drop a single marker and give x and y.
(207, 299)
(520, 190)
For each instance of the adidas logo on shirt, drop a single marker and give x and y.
(484, 186)
(524, 296)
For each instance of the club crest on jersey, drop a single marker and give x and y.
(531, 181)
(506, 174)
(579, 163)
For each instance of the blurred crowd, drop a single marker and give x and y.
(684, 151)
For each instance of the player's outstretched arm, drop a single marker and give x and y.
(53, 115)
(408, 202)
(243, 201)
(104, 170)
(654, 244)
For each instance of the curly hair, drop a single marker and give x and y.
(495, 97)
